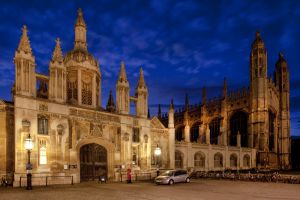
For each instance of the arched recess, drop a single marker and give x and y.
(194, 132)
(246, 161)
(214, 127)
(272, 117)
(179, 133)
(218, 160)
(233, 160)
(239, 124)
(178, 159)
(199, 160)
(93, 161)
(110, 149)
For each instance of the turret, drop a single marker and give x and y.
(141, 94)
(58, 75)
(80, 32)
(122, 92)
(283, 84)
(258, 92)
(25, 67)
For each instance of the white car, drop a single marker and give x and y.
(173, 176)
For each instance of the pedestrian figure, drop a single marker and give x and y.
(128, 175)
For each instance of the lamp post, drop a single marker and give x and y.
(28, 147)
(157, 153)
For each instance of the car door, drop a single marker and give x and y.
(182, 176)
(177, 176)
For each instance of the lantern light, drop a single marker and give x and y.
(157, 151)
(28, 143)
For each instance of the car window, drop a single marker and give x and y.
(177, 173)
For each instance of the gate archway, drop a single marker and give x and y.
(93, 162)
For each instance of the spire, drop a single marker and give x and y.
(203, 95)
(24, 44)
(186, 102)
(122, 75)
(225, 88)
(57, 53)
(141, 82)
(281, 59)
(257, 40)
(80, 20)
(80, 32)
(159, 111)
(172, 104)
(110, 106)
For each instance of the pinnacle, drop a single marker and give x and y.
(80, 20)
(122, 75)
(24, 44)
(57, 53)
(141, 82)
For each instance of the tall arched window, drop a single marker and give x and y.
(239, 124)
(271, 130)
(43, 125)
(199, 160)
(178, 159)
(194, 132)
(218, 160)
(233, 160)
(214, 127)
(179, 133)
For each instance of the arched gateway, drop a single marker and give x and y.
(93, 162)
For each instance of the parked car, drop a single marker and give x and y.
(173, 176)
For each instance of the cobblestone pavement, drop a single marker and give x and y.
(197, 189)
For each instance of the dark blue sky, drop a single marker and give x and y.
(182, 45)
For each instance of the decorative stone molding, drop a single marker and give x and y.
(43, 107)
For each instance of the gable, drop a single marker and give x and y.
(156, 123)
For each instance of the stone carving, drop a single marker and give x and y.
(43, 107)
(96, 130)
(126, 137)
(95, 116)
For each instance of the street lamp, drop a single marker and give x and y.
(28, 146)
(157, 153)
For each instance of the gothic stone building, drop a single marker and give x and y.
(74, 136)
(246, 128)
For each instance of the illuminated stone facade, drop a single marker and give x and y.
(243, 129)
(74, 136)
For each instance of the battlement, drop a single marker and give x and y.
(239, 94)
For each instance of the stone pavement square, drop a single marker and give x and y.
(197, 189)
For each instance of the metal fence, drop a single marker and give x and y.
(47, 180)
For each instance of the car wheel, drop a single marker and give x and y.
(171, 182)
(187, 180)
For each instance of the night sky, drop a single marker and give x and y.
(181, 45)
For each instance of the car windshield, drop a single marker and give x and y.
(168, 173)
